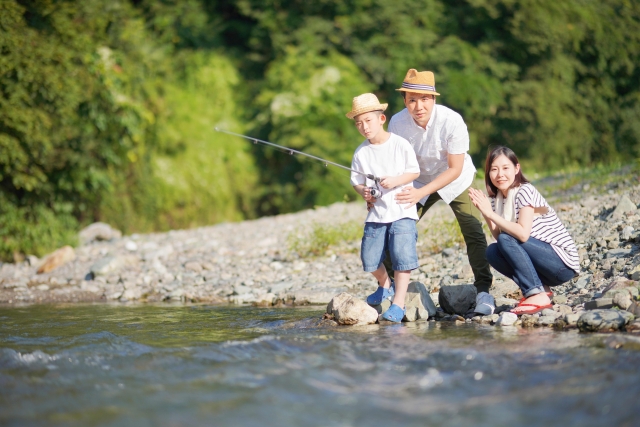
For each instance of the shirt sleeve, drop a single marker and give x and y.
(411, 161)
(457, 135)
(356, 178)
(529, 196)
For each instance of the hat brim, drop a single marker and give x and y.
(368, 109)
(427, 92)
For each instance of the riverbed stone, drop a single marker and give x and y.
(571, 319)
(457, 299)
(107, 265)
(507, 319)
(600, 303)
(98, 231)
(529, 320)
(624, 206)
(418, 303)
(601, 321)
(56, 259)
(622, 300)
(347, 310)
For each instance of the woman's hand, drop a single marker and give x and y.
(481, 201)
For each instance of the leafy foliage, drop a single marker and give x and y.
(107, 107)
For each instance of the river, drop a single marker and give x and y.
(192, 365)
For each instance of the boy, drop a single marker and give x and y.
(388, 225)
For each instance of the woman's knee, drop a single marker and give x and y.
(505, 240)
(492, 253)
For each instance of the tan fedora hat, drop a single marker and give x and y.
(419, 82)
(364, 103)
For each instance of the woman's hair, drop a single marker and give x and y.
(492, 155)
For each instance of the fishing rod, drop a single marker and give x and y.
(375, 192)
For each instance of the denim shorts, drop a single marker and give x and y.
(399, 237)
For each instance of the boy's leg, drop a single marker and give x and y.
(402, 246)
(372, 252)
(422, 209)
(402, 284)
(382, 277)
(471, 227)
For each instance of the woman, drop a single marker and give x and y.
(532, 246)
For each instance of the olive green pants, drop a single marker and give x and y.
(470, 221)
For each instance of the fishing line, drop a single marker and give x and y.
(375, 191)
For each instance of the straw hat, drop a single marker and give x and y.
(365, 103)
(419, 82)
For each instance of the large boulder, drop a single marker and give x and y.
(347, 310)
(56, 259)
(457, 299)
(604, 320)
(98, 231)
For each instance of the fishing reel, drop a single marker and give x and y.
(375, 193)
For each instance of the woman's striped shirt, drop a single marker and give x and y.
(547, 227)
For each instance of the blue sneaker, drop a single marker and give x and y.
(381, 294)
(394, 314)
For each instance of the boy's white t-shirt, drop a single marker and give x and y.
(391, 158)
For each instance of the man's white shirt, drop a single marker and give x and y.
(446, 133)
(394, 157)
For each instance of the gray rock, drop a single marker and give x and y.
(507, 319)
(457, 299)
(347, 310)
(622, 300)
(600, 303)
(448, 252)
(618, 253)
(627, 233)
(634, 309)
(582, 282)
(560, 299)
(315, 296)
(98, 231)
(161, 252)
(106, 266)
(619, 283)
(624, 205)
(529, 320)
(601, 321)
(630, 290)
(547, 312)
(571, 319)
(547, 320)
(418, 303)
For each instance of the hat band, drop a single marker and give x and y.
(418, 87)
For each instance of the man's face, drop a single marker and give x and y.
(420, 106)
(369, 124)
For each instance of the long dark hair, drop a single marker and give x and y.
(492, 155)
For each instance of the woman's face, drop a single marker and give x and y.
(503, 173)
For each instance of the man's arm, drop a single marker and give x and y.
(411, 196)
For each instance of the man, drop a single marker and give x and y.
(440, 139)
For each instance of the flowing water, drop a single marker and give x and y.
(164, 365)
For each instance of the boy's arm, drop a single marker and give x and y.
(400, 180)
(364, 191)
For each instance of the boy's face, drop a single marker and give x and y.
(420, 106)
(370, 124)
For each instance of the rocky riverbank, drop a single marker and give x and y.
(252, 262)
